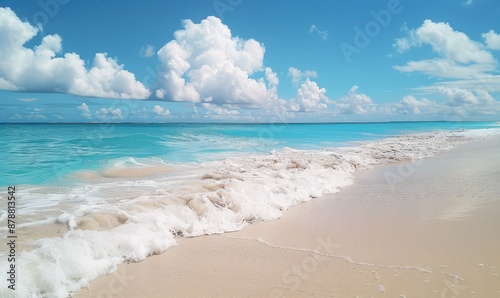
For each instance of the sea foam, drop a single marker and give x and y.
(116, 220)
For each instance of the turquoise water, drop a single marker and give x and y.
(43, 153)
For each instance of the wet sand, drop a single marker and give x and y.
(423, 229)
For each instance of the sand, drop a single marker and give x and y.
(424, 229)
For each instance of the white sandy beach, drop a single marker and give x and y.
(432, 231)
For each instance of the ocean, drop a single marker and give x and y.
(122, 192)
(37, 154)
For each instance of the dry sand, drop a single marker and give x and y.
(427, 229)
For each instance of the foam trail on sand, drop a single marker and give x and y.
(118, 220)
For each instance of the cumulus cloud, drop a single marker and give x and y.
(161, 111)
(355, 103)
(220, 111)
(85, 110)
(411, 105)
(484, 97)
(147, 51)
(298, 76)
(492, 40)
(44, 68)
(460, 97)
(323, 34)
(84, 107)
(109, 113)
(406, 43)
(466, 69)
(206, 63)
(309, 97)
(459, 56)
(272, 79)
(460, 104)
(402, 44)
(101, 114)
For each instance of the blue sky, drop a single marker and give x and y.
(249, 61)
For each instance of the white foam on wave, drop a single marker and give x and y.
(128, 220)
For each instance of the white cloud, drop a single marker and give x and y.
(109, 113)
(323, 34)
(85, 110)
(298, 76)
(84, 107)
(459, 56)
(490, 83)
(272, 78)
(461, 97)
(29, 99)
(355, 103)
(467, 65)
(139, 113)
(484, 97)
(309, 98)
(443, 68)
(402, 44)
(458, 96)
(7, 85)
(219, 111)
(451, 44)
(147, 51)
(205, 63)
(460, 105)
(410, 105)
(406, 43)
(468, 3)
(161, 111)
(45, 69)
(36, 116)
(34, 113)
(117, 113)
(411, 101)
(492, 40)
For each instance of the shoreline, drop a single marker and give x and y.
(420, 237)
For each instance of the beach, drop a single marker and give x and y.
(261, 214)
(425, 228)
